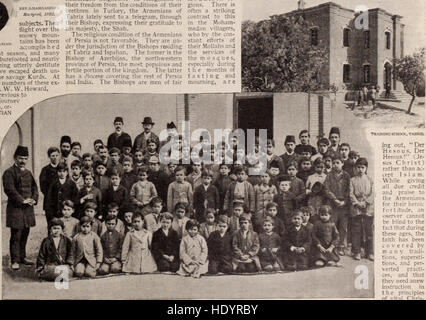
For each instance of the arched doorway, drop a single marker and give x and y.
(387, 76)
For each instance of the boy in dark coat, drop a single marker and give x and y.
(89, 193)
(116, 193)
(112, 242)
(222, 183)
(129, 177)
(62, 189)
(205, 196)
(48, 176)
(284, 199)
(55, 251)
(165, 245)
(159, 178)
(22, 192)
(219, 246)
(296, 243)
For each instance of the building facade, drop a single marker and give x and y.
(360, 52)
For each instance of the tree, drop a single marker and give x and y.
(410, 72)
(277, 55)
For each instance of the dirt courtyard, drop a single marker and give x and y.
(330, 282)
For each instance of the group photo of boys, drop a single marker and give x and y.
(117, 209)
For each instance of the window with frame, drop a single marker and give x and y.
(388, 39)
(367, 72)
(367, 39)
(314, 36)
(346, 73)
(346, 33)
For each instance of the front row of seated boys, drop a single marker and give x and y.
(180, 245)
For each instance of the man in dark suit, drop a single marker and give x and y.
(22, 192)
(118, 138)
(141, 140)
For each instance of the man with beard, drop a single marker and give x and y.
(48, 175)
(118, 138)
(65, 147)
(21, 190)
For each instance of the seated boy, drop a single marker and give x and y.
(245, 245)
(55, 257)
(119, 225)
(219, 245)
(90, 212)
(270, 244)
(111, 241)
(296, 243)
(165, 245)
(87, 250)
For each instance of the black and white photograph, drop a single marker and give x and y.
(100, 204)
(270, 192)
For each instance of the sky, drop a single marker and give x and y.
(412, 12)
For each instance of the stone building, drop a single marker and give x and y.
(360, 52)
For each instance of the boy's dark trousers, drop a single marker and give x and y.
(340, 216)
(297, 261)
(18, 242)
(246, 267)
(164, 265)
(220, 264)
(362, 232)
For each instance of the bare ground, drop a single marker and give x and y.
(329, 282)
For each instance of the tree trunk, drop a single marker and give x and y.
(411, 104)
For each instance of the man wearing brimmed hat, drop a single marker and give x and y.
(22, 192)
(141, 139)
(119, 137)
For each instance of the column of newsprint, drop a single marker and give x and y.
(54, 47)
(400, 214)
